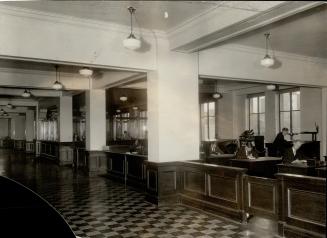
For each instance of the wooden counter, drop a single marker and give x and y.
(302, 210)
(126, 167)
(302, 169)
(260, 167)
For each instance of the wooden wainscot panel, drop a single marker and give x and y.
(116, 166)
(214, 188)
(261, 197)
(304, 206)
(162, 182)
(135, 170)
(193, 182)
(96, 162)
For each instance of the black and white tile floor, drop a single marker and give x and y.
(97, 207)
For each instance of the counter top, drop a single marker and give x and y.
(126, 153)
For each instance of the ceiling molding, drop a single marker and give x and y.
(76, 21)
(261, 19)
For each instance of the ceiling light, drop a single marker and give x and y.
(135, 108)
(26, 94)
(123, 98)
(118, 110)
(57, 85)
(267, 61)
(5, 114)
(86, 72)
(9, 105)
(166, 15)
(131, 42)
(1, 111)
(271, 87)
(217, 94)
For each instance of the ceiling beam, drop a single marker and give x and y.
(259, 20)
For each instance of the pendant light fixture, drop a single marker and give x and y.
(267, 61)
(26, 94)
(57, 85)
(9, 105)
(272, 87)
(217, 94)
(131, 42)
(86, 72)
(123, 98)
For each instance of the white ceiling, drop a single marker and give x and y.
(303, 34)
(149, 14)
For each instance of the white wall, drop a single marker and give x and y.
(310, 110)
(236, 62)
(225, 116)
(66, 118)
(18, 127)
(95, 101)
(4, 127)
(69, 39)
(173, 108)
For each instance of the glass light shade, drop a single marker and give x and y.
(123, 98)
(26, 94)
(217, 95)
(9, 105)
(271, 87)
(57, 85)
(267, 61)
(132, 43)
(118, 111)
(135, 108)
(86, 72)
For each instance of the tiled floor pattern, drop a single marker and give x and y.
(97, 207)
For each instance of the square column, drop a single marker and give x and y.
(66, 119)
(30, 132)
(95, 100)
(173, 108)
(30, 128)
(66, 149)
(324, 123)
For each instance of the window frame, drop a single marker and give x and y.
(207, 137)
(249, 97)
(290, 91)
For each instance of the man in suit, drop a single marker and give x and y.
(280, 143)
(292, 154)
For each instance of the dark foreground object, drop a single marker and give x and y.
(25, 214)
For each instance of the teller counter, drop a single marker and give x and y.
(127, 167)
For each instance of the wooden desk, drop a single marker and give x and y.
(302, 169)
(321, 172)
(260, 167)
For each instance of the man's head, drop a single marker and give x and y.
(285, 131)
(297, 144)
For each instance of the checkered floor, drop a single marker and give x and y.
(97, 207)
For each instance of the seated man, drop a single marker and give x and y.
(292, 155)
(280, 144)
